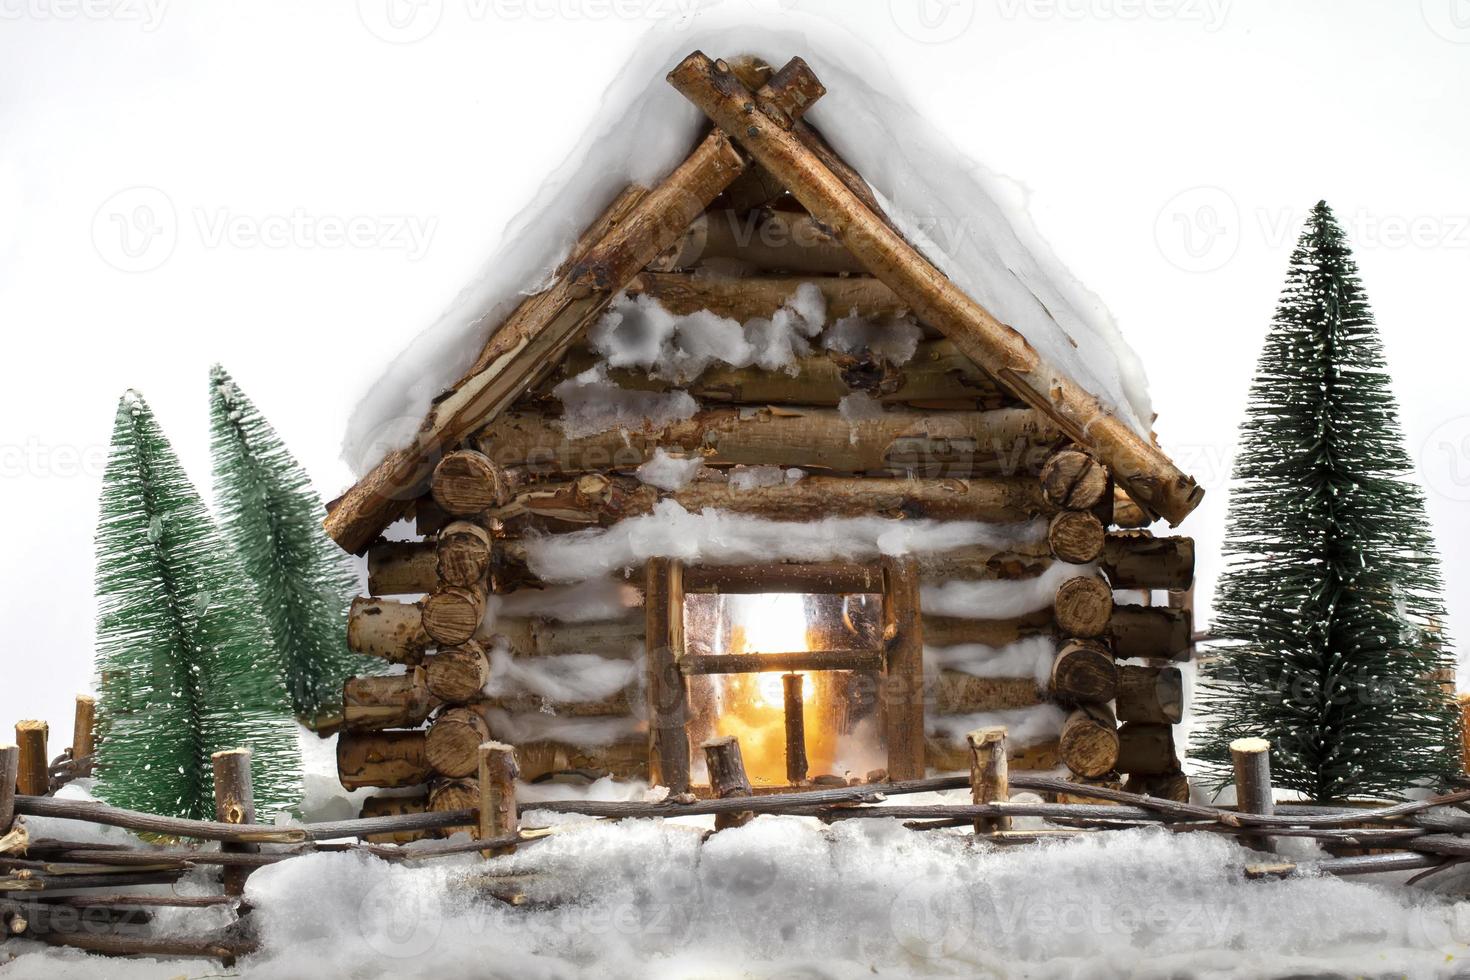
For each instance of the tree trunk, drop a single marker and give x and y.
(234, 802)
(1076, 537)
(1151, 632)
(450, 795)
(451, 614)
(457, 675)
(1138, 560)
(1083, 606)
(1147, 750)
(384, 806)
(466, 482)
(1074, 480)
(393, 701)
(402, 568)
(33, 777)
(464, 555)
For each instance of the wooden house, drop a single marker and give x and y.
(1019, 479)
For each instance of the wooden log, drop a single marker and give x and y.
(1074, 480)
(83, 735)
(989, 775)
(234, 802)
(1251, 760)
(387, 628)
(392, 701)
(459, 674)
(903, 677)
(498, 814)
(385, 759)
(727, 778)
(765, 240)
(451, 614)
(466, 482)
(532, 637)
(954, 692)
(1146, 749)
(33, 775)
(946, 631)
(402, 568)
(452, 744)
(1083, 607)
(899, 442)
(1083, 672)
(668, 691)
(1151, 632)
(463, 555)
(1076, 537)
(808, 578)
(1166, 786)
(953, 755)
(617, 705)
(1150, 694)
(600, 499)
(759, 663)
(1085, 788)
(537, 334)
(624, 760)
(1133, 459)
(384, 806)
(1090, 742)
(224, 948)
(1138, 560)
(795, 718)
(1126, 513)
(751, 297)
(456, 796)
(9, 771)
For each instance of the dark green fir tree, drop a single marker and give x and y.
(1330, 612)
(183, 657)
(274, 520)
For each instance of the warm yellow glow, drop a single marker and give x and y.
(753, 705)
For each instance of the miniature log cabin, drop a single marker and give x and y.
(751, 465)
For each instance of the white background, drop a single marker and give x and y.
(1170, 147)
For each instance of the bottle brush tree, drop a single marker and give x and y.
(1329, 613)
(183, 656)
(273, 518)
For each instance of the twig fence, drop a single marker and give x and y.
(68, 892)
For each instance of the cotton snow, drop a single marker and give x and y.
(669, 472)
(1030, 657)
(1024, 726)
(524, 727)
(591, 404)
(999, 598)
(592, 600)
(753, 477)
(890, 339)
(719, 537)
(569, 678)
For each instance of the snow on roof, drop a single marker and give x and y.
(971, 223)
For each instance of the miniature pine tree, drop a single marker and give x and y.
(1330, 609)
(273, 518)
(182, 652)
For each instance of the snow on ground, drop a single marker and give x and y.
(784, 896)
(970, 222)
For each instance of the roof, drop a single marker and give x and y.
(999, 285)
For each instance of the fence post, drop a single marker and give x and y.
(234, 802)
(727, 778)
(795, 712)
(498, 813)
(34, 777)
(9, 766)
(1252, 760)
(83, 736)
(989, 775)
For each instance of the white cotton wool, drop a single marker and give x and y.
(572, 678)
(591, 404)
(753, 477)
(892, 340)
(720, 537)
(592, 600)
(669, 472)
(1024, 726)
(522, 727)
(1000, 598)
(1030, 657)
(859, 407)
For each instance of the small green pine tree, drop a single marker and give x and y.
(182, 652)
(273, 518)
(1330, 611)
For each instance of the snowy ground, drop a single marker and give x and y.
(786, 897)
